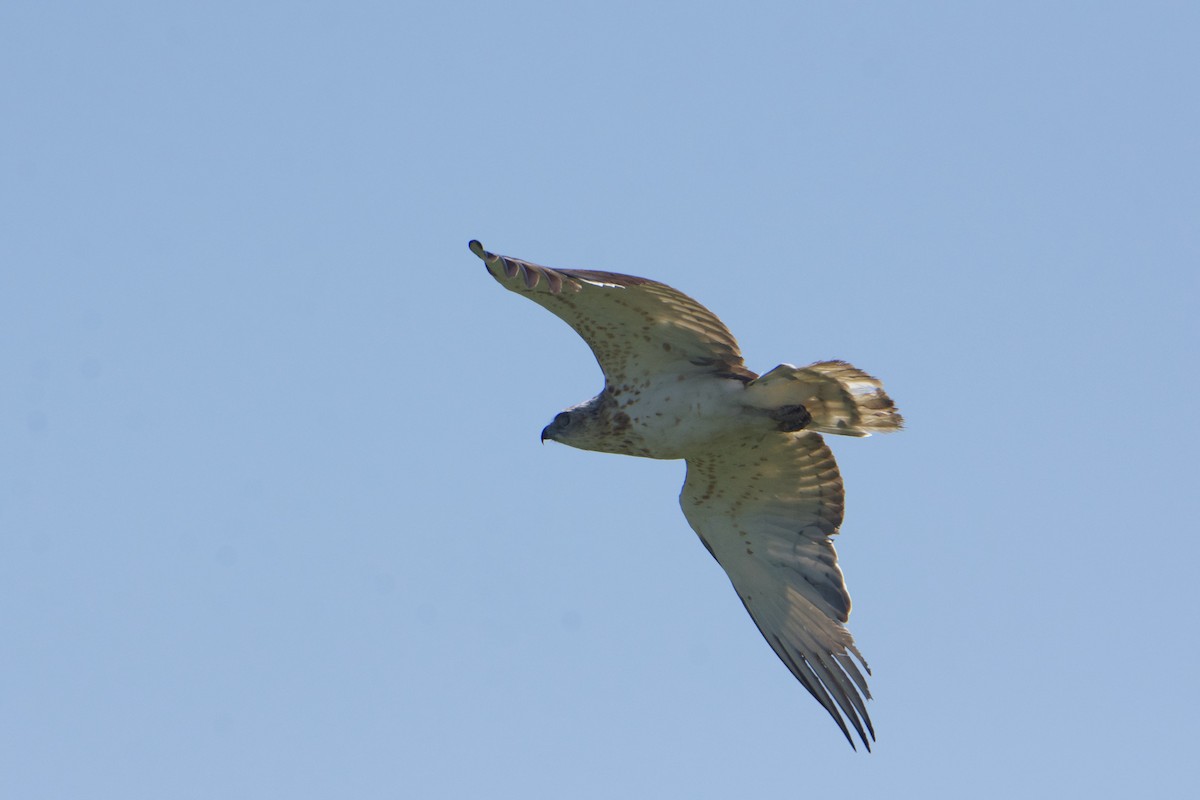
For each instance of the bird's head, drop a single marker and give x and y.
(581, 426)
(560, 425)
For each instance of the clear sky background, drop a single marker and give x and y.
(274, 518)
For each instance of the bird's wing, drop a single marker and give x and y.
(635, 327)
(766, 509)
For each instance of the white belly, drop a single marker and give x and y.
(672, 419)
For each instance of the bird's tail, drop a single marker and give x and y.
(840, 398)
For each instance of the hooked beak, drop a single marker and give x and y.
(546, 434)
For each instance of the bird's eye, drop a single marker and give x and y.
(562, 420)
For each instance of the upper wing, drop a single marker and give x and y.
(634, 326)
(766, 508)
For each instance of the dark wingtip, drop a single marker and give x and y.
(866, 742)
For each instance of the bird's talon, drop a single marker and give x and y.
(791, 418)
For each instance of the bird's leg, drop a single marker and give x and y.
(791, 418)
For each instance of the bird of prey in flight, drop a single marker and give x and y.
(762, 490)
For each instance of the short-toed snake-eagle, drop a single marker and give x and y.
(762, 488)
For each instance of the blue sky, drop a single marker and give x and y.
(274, 519)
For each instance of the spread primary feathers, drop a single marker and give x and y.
(762, 490)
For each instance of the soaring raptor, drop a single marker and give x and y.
(762, 490)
